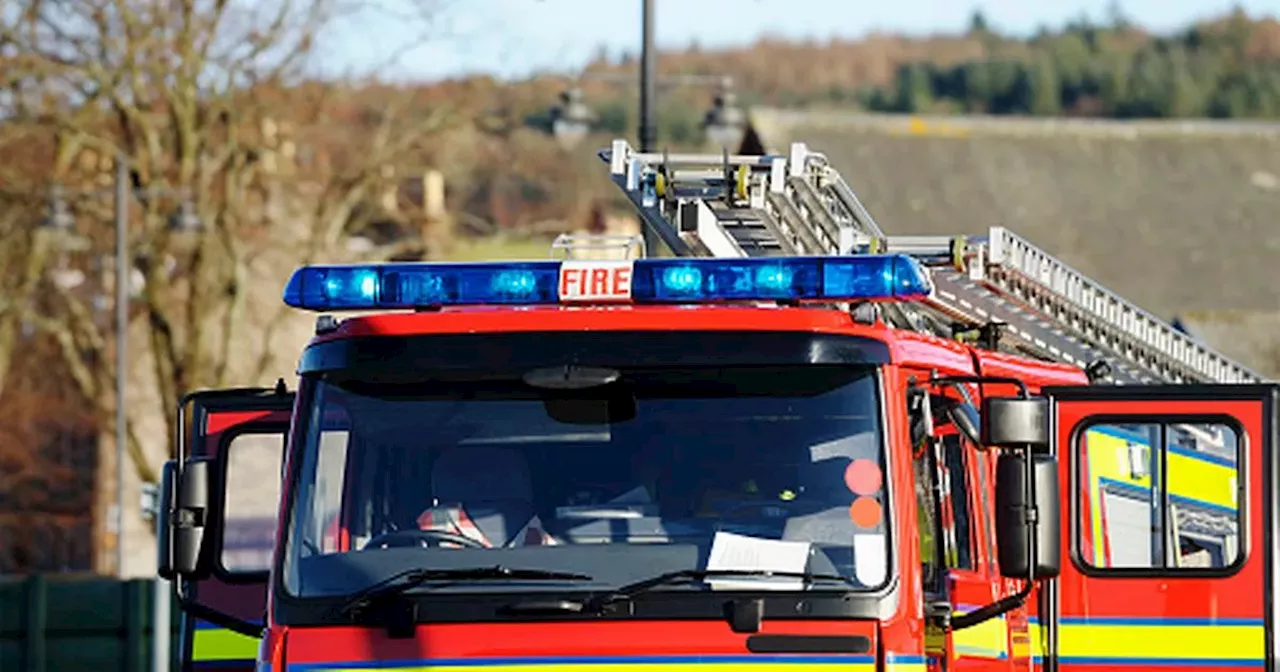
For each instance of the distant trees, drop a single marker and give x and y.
(1225, 69)
(1109, 67)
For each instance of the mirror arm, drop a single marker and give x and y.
(218, 618)
(204, 612)
(997, 608)
(214, 616)
(979, 380)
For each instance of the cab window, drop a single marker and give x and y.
(956, 475)
(253, 467)
(944, 511)
(927, 515)
(688, 467)
(1160, 496)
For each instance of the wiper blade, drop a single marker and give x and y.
(400, 582)
(630, 590)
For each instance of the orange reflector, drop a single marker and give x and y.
(865, 512)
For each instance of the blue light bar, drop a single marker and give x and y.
(420, 285)
(642, 281)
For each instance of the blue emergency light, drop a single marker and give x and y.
(640, 281)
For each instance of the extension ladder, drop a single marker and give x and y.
(998, 287)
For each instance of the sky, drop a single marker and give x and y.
(434, 39)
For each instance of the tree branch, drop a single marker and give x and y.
(200, 98)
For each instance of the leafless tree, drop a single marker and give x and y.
(206, 100)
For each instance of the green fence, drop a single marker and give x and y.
(70, 623)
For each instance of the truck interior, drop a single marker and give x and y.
(557, 480)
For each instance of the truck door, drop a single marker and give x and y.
(247, 428)
(1169, 529)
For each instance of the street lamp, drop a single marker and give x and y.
(725, 123)
(648, 93)
(58, 216)
(59, 219)
(185, 219)
(571, 120)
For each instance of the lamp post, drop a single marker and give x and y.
(648, 128)
(725, 122)
(184, 219)
(571, 120)
(60, 219)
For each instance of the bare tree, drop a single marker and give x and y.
(24, 254)
(46, 439)
(205, 100)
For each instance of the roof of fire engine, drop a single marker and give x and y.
(640, 295)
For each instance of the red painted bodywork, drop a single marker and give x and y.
(914, 356)
(239, 599)
(547, 640)
(1222, 598)
(596, 318)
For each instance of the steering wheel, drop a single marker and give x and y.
(422, 538)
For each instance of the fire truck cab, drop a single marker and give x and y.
(707, 463)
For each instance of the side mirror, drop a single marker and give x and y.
(1012, 422)
(191, 517)
(965, 418)
(1013, 529)
(165, 500)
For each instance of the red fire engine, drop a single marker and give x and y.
(796, 442)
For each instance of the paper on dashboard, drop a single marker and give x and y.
(742, 553)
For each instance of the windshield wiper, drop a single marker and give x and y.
(400, 582)
(626, 592)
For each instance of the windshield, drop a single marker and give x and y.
(660, 470)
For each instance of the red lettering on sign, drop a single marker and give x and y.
(600, 281)
(622, 281)
(568, 278)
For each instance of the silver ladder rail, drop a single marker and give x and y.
(752, 206)
(1003, 277)
(741, 205)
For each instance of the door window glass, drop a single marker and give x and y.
(254, 461)
(1159, 496)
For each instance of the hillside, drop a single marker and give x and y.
(1225, 67)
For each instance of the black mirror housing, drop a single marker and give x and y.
(191, 517)
(166, 498)
(966, 419)
(1012, 530)
(1015, 422)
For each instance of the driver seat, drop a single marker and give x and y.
(484, 493)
